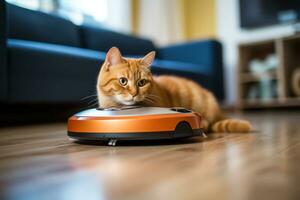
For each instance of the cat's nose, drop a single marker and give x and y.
(134, 93)
(132, 97)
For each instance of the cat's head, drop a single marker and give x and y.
(125, 81)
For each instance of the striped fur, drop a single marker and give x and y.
(163, 91)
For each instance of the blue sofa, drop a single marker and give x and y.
(47, 59)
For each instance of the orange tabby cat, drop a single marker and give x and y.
(124, 81)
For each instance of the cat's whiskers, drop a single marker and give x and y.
(92, 101)
(88, 97)
(153, 96)
(148, 100)
(93, 105)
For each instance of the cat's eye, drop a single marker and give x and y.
(142, 82)
(123, 81)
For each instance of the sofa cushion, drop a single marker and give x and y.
(181, 66)
(49, 73)
(181, 69)
(102, 39)
(206, 52)
(37, 26)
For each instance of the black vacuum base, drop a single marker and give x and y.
(135, 136)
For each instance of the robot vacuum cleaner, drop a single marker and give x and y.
(134, 123)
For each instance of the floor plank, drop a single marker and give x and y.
(40, 162)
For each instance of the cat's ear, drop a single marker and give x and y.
(148, 59)
(113, 57)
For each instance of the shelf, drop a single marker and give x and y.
(287, 50)
(250, 77)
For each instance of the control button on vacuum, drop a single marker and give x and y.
(181, 110)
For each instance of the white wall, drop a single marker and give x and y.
(119, 15)
(230, 34)
(160, 21)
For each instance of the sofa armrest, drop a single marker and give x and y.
(206, 53)
(3, 66)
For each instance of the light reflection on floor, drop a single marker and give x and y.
(76, 186)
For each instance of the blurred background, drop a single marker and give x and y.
(245, 52)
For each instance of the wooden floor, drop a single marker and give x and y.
(40, 162)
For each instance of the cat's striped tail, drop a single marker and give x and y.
(231, 126)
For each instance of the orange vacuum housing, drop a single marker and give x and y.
(134, 123)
